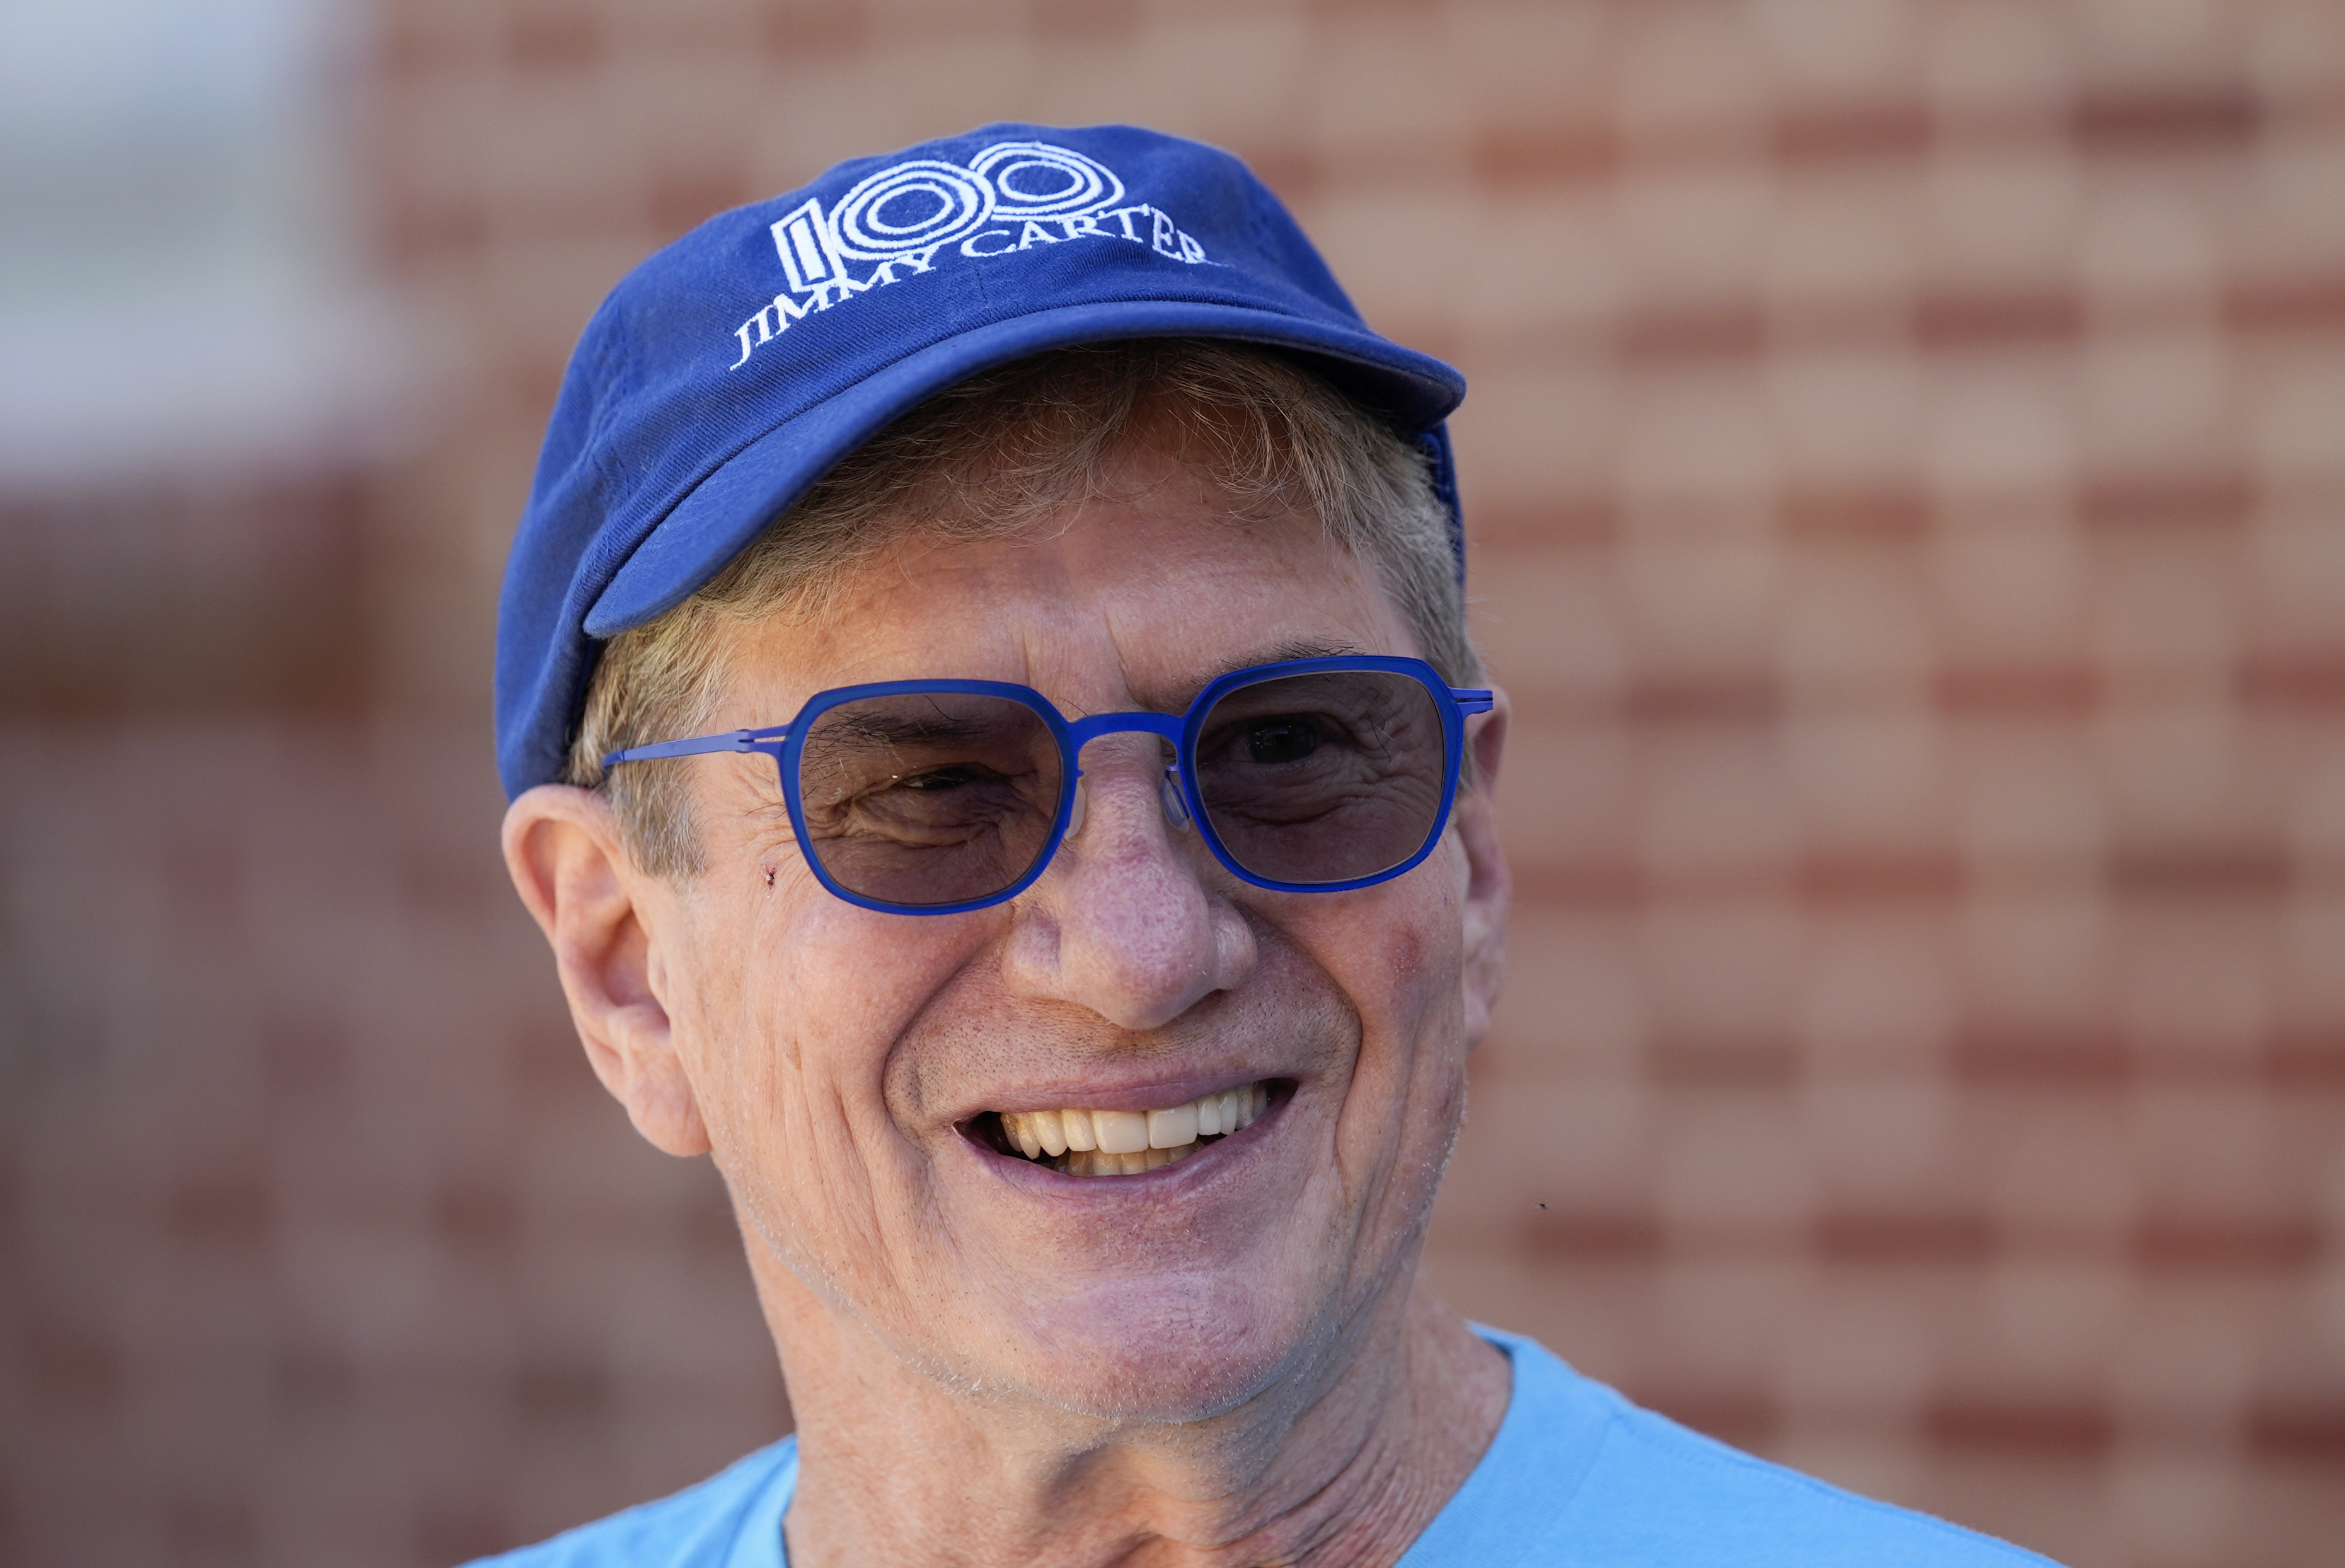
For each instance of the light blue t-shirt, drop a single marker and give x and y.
(1576, 1476)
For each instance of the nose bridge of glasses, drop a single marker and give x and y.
(1082, 732)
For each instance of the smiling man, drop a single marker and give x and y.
(996, 752)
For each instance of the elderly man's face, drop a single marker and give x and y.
(844, 1062)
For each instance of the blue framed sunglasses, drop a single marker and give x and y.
(937, 797)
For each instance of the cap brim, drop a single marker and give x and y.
(728, 508)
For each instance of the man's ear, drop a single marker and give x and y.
(1488, 888)
(570, 867)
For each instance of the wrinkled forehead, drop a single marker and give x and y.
(1134, 594)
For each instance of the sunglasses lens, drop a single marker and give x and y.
(933, 797)
(1324, 777)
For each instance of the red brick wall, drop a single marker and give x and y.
(1905, 463)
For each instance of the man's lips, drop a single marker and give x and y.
(1081, 1141)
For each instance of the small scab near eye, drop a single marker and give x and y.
(770, 876)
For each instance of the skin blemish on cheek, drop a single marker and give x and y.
(1406, 951)
(769, 877)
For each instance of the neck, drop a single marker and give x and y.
(1345, 1464)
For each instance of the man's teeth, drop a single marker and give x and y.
(1125, 1143)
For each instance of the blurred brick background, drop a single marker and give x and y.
(1906, 464)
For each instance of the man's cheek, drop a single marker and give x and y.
(1405, 947)
(1416, 961)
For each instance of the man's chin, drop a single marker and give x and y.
(1163, 1351)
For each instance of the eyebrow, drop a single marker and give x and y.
(1302, 647)
(852, 728)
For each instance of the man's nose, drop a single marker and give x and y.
(1127, 922)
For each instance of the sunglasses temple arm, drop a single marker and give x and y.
(1479, 701)
(731, 740)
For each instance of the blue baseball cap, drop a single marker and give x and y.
(729, 373)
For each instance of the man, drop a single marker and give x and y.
(998, 757)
